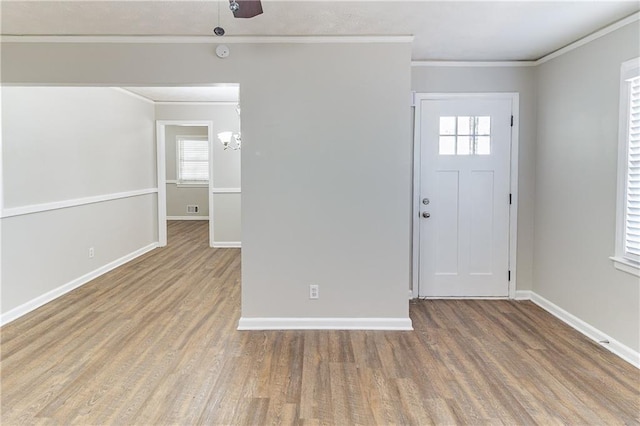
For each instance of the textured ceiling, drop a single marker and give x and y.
(443, 30)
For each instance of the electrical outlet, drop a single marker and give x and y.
(91, 252)
(314, 291)
(193, 209)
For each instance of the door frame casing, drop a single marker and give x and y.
(513, 179)
(161, 161)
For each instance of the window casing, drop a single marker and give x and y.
(192, 155)
(627, 255)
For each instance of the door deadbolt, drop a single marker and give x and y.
(425, 201)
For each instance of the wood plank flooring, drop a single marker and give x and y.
(154, 343)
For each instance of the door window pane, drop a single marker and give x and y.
(464, 145)
(465, 135)
(483, 145)
(448, 126)
(465, 125)
(447, 145)
(484, 125)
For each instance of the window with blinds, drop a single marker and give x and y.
(627, 254)
(632, 208)
(193, 160)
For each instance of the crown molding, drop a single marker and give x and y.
(197, 103)
(591, 37)
(174, 103)
(473, 63)
(133, 95)
(160, 39)
(164, 39)
(576, 44)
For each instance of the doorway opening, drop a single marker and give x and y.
(184, 165)
(198, 161)
(176, 195)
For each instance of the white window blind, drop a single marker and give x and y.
(627, 249)
(632, 208)
(193, 160)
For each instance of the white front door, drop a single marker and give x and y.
(464, 196)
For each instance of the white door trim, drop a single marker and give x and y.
(162, 174)
(513, 180)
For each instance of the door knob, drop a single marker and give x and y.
(426, 215)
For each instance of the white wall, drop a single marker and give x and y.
(499, 79)
(326, 160)
(575, 199)
(227, 229)
(178, 197)
(62, 144)
(326, 173)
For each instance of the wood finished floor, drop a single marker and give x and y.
(154, 342)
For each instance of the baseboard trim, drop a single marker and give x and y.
(187, 217)
(33, 304)
(523, 295)
(325, 324)
(227, 244)
(463, 297)
(604, 340)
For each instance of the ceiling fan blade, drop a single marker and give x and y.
(248, 8)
